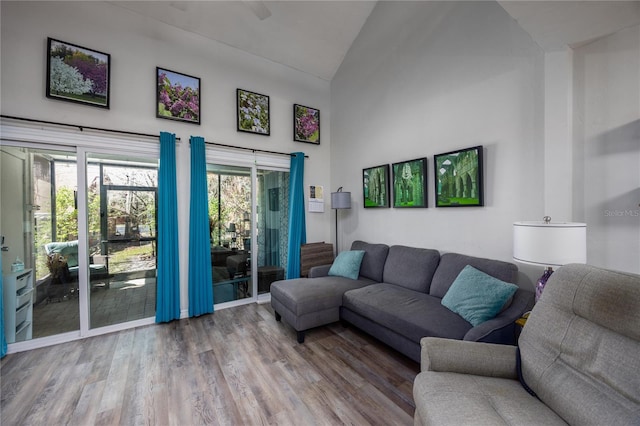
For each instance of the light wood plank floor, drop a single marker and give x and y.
(237, 366)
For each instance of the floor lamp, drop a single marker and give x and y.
(340, 200)
(549, 244)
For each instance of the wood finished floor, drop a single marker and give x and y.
(237, 366)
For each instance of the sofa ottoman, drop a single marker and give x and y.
(307, 303)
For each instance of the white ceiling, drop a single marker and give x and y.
(310, 36)
(314, 36)
(556, 24)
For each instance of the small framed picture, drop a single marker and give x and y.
(375, 186)
(77, 74)
(177, 96)
(252, 112)
(458, 178)
(410, 183)
(306, 124)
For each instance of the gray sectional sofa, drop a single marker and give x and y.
(397, 298)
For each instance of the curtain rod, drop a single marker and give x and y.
(81, 128)
(250, 149)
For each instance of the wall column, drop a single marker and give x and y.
(558, 135)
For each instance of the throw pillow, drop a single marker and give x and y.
(347, 264)
(476, 296)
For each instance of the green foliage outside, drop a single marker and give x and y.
(235, 196)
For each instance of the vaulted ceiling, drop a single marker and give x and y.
(314, 36)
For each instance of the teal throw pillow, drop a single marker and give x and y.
(347, 264)
(476, 296)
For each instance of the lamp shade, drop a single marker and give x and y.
(549, 244)
(340, 200)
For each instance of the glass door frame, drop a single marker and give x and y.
(254, 161)
(43, 137)
(85, 153)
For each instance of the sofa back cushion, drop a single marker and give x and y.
(411, 267)
(451, 264)
(580, 346)
(373, 260)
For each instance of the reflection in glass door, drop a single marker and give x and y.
(272, 227)
(243, 268)
(230, 227)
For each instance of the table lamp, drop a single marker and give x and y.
(340, 200)
(550, 245)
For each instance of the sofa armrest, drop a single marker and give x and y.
(501, 328)
(477, 358)
(319, 271)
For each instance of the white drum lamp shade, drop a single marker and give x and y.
(549, 244)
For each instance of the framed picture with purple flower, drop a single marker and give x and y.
(77, 74)
(252, 112)
(177, 96)
(306, 124)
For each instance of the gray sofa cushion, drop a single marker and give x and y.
(303, 295)
(407, 312)
(373, 261)
(411, 267)
(463, 399)
(452, 263)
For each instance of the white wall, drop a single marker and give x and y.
(137, 45)
(424, 78)
(607, 148)
(558, 135)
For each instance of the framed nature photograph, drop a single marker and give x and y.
(375, 186)
(306, 124)
(253, 112)
(77, 74)
(410, 183)
(177, 96)
(458, 178)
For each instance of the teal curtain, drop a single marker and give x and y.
(297, 226)
(3, 340)
(200, 280)
(168, 284)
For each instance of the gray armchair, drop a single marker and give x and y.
(578, 353)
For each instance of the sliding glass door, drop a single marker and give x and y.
(122, 212)
(230, 228)
(272, 227)
(248, 222)
(74, 279)
(39, 223)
